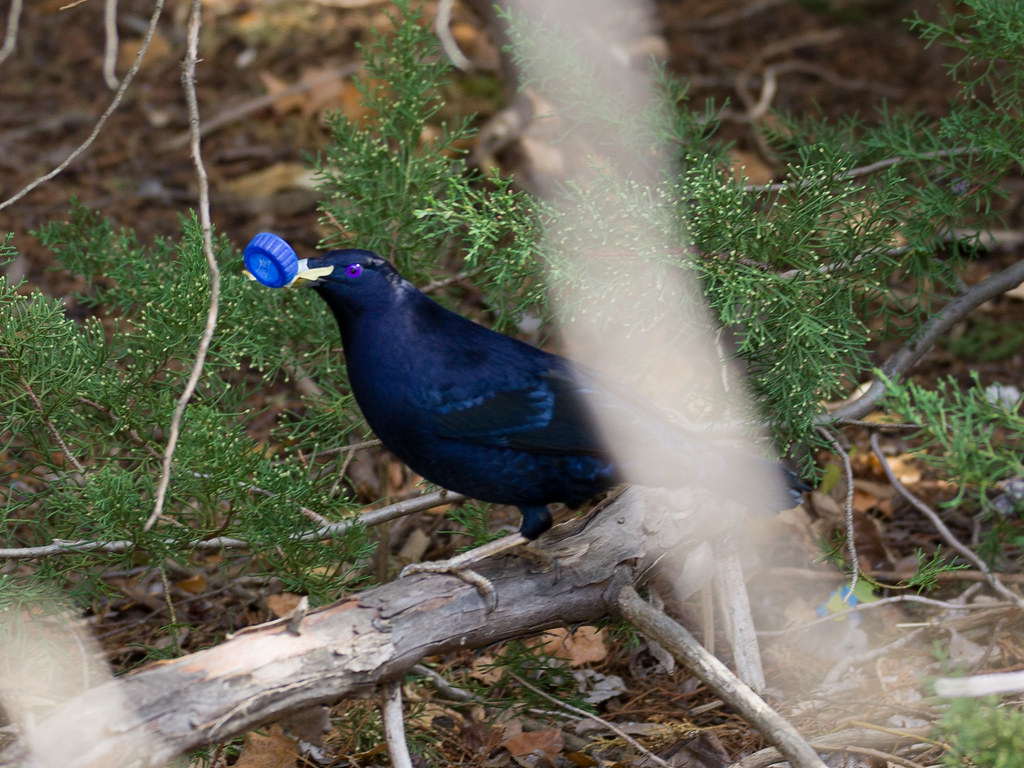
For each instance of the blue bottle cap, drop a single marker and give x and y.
(271, 260)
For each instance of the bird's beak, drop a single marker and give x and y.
(308, 273)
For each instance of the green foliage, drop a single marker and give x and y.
(970, 438)
(88, 405)
(982, 733)
(926, 573)
(973, 440)
(376, 176)
(532, 663)
(472, 517)
(802, 274)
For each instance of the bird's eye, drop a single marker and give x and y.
(354, 270)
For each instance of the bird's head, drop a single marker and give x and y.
(353, 281)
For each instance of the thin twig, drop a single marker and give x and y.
(239, 111)
(726, 18)
(865, 170)
(944, 531)
(885, 757)
(846, 663)
(881, 602)
(681, 644)
(132, 433)
(847, 83)
(114, 104)
(188, 80)
(11, 33)
(384, 514)
(851, 533)
(881, 426)
(171, 613)
(442, 685)
(111, 45)
(756, 109)
(368, 519)
(927, 336)
(590, 716)
(444, 35)
(394, 724)
(349, 448)
(444, 282)
(51, 427)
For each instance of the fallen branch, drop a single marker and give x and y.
(268, 672)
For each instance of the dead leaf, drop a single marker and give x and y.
(904, 467)
(284, 604)
(325, 89)
(549, 742)
(194, 584)
(1016, 293)
(271, 180)
(581, 760)
(273, 750)
(320, 89)
(863, 501)
(582, 646)
(749, 167)
(485, 670)
(275, 85)
(159, 49)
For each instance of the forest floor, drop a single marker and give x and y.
(269, 73)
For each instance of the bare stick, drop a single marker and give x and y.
(239, 111)
(370, 518)
(866, 170)
(840, 740)
(943, 530)
(188, 80)
(928, 334)
(11, 34)
(851, 533)
(734, 604)
(394, 725)
(114, 104)
(110, 47)
(684, 646)
(882, 602)
(726, 18)
(444, 35)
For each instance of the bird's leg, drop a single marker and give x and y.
(459, 566)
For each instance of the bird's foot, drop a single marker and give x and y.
(460, 566)
(483, 585)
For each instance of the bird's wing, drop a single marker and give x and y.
(543, 413)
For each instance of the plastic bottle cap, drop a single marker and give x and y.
(271, 260)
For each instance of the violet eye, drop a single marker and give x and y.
(353, 270)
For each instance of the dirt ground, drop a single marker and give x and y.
(271, 70)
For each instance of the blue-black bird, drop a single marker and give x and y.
(494, 418)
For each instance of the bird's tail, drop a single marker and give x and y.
(732, 473)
